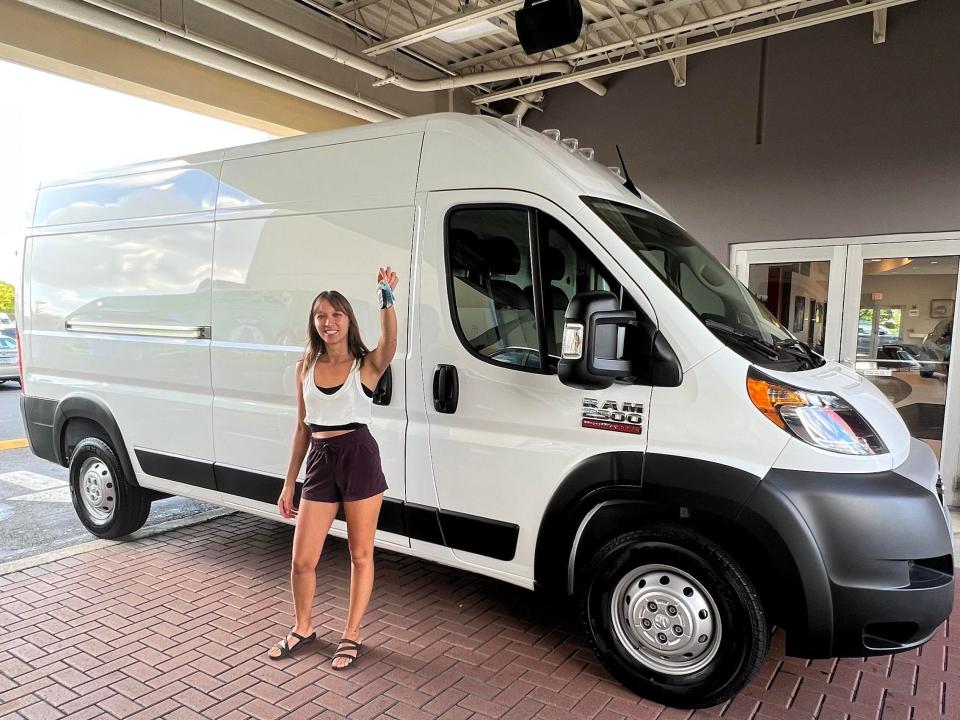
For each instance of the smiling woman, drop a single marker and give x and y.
(65, 127)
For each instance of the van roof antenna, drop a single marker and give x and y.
(629, 183)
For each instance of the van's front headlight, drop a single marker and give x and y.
(823, 420)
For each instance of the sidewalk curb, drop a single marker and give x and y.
(47, 557)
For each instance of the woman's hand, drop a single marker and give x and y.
(389, 277)
(285, 503)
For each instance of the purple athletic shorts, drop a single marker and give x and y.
(343, 468)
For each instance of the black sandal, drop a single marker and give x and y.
(352, 652)
(285, 649)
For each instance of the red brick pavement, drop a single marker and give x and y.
(177, 626)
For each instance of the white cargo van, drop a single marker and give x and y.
(584, 401)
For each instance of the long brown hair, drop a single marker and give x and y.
(315, 346)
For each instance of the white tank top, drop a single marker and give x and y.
(347, 405)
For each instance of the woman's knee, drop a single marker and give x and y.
(361, 558)
(303, 565)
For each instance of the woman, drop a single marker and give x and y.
(334, 401)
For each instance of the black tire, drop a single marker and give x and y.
(711, 671)
(107, 505)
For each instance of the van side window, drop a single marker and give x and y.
(567, 268)
(489, 254)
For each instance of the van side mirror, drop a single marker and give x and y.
(590, 355)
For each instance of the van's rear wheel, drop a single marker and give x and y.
(107, 505)
(673, 617)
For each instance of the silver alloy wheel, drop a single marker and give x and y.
(97, 491)
(666, 619)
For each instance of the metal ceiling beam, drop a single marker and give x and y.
(880, 26)
(679, 65)
(750, 14)
(360, 27)
(384, 75)
(607, 24)
(349, 7)
(173, 40)
(855, 8)
(433, 29)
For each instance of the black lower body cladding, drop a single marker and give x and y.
(873, 553)
(38, 417)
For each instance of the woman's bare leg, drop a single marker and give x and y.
(313, 523)
(361, 525)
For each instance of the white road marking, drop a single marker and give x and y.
(57, 495)
(31, 480)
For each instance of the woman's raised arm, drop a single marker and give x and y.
(382, 355)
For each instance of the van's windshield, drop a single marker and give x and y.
(721, 302)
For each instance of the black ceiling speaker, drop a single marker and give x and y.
(547, 24)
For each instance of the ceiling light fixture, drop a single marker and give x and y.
(471, 31)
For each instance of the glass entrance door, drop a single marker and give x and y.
(886, 310)
(802, 288)
(898, 332)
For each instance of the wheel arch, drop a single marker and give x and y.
(610, 494)
(81, 415)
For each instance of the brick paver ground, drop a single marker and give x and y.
(177, 626)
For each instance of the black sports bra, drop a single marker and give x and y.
(331, 390)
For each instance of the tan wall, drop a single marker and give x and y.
(47, 42)
(910, 292)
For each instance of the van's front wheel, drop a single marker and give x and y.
(107, 505)
(673, 617)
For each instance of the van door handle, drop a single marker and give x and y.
(446, 389)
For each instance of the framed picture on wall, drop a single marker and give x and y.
(799, 305)
(941, 308)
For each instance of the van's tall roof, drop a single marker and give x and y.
(449, 122)
(458, 152)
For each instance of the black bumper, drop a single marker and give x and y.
(38, 419)
(870, 556)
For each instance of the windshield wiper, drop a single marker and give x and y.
(804, 348)
(769, 349)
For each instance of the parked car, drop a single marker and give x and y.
(710, 480)
(884, 337)
(935, 349)
(899, 356)
(9, 367)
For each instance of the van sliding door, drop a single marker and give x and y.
(286, 230)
